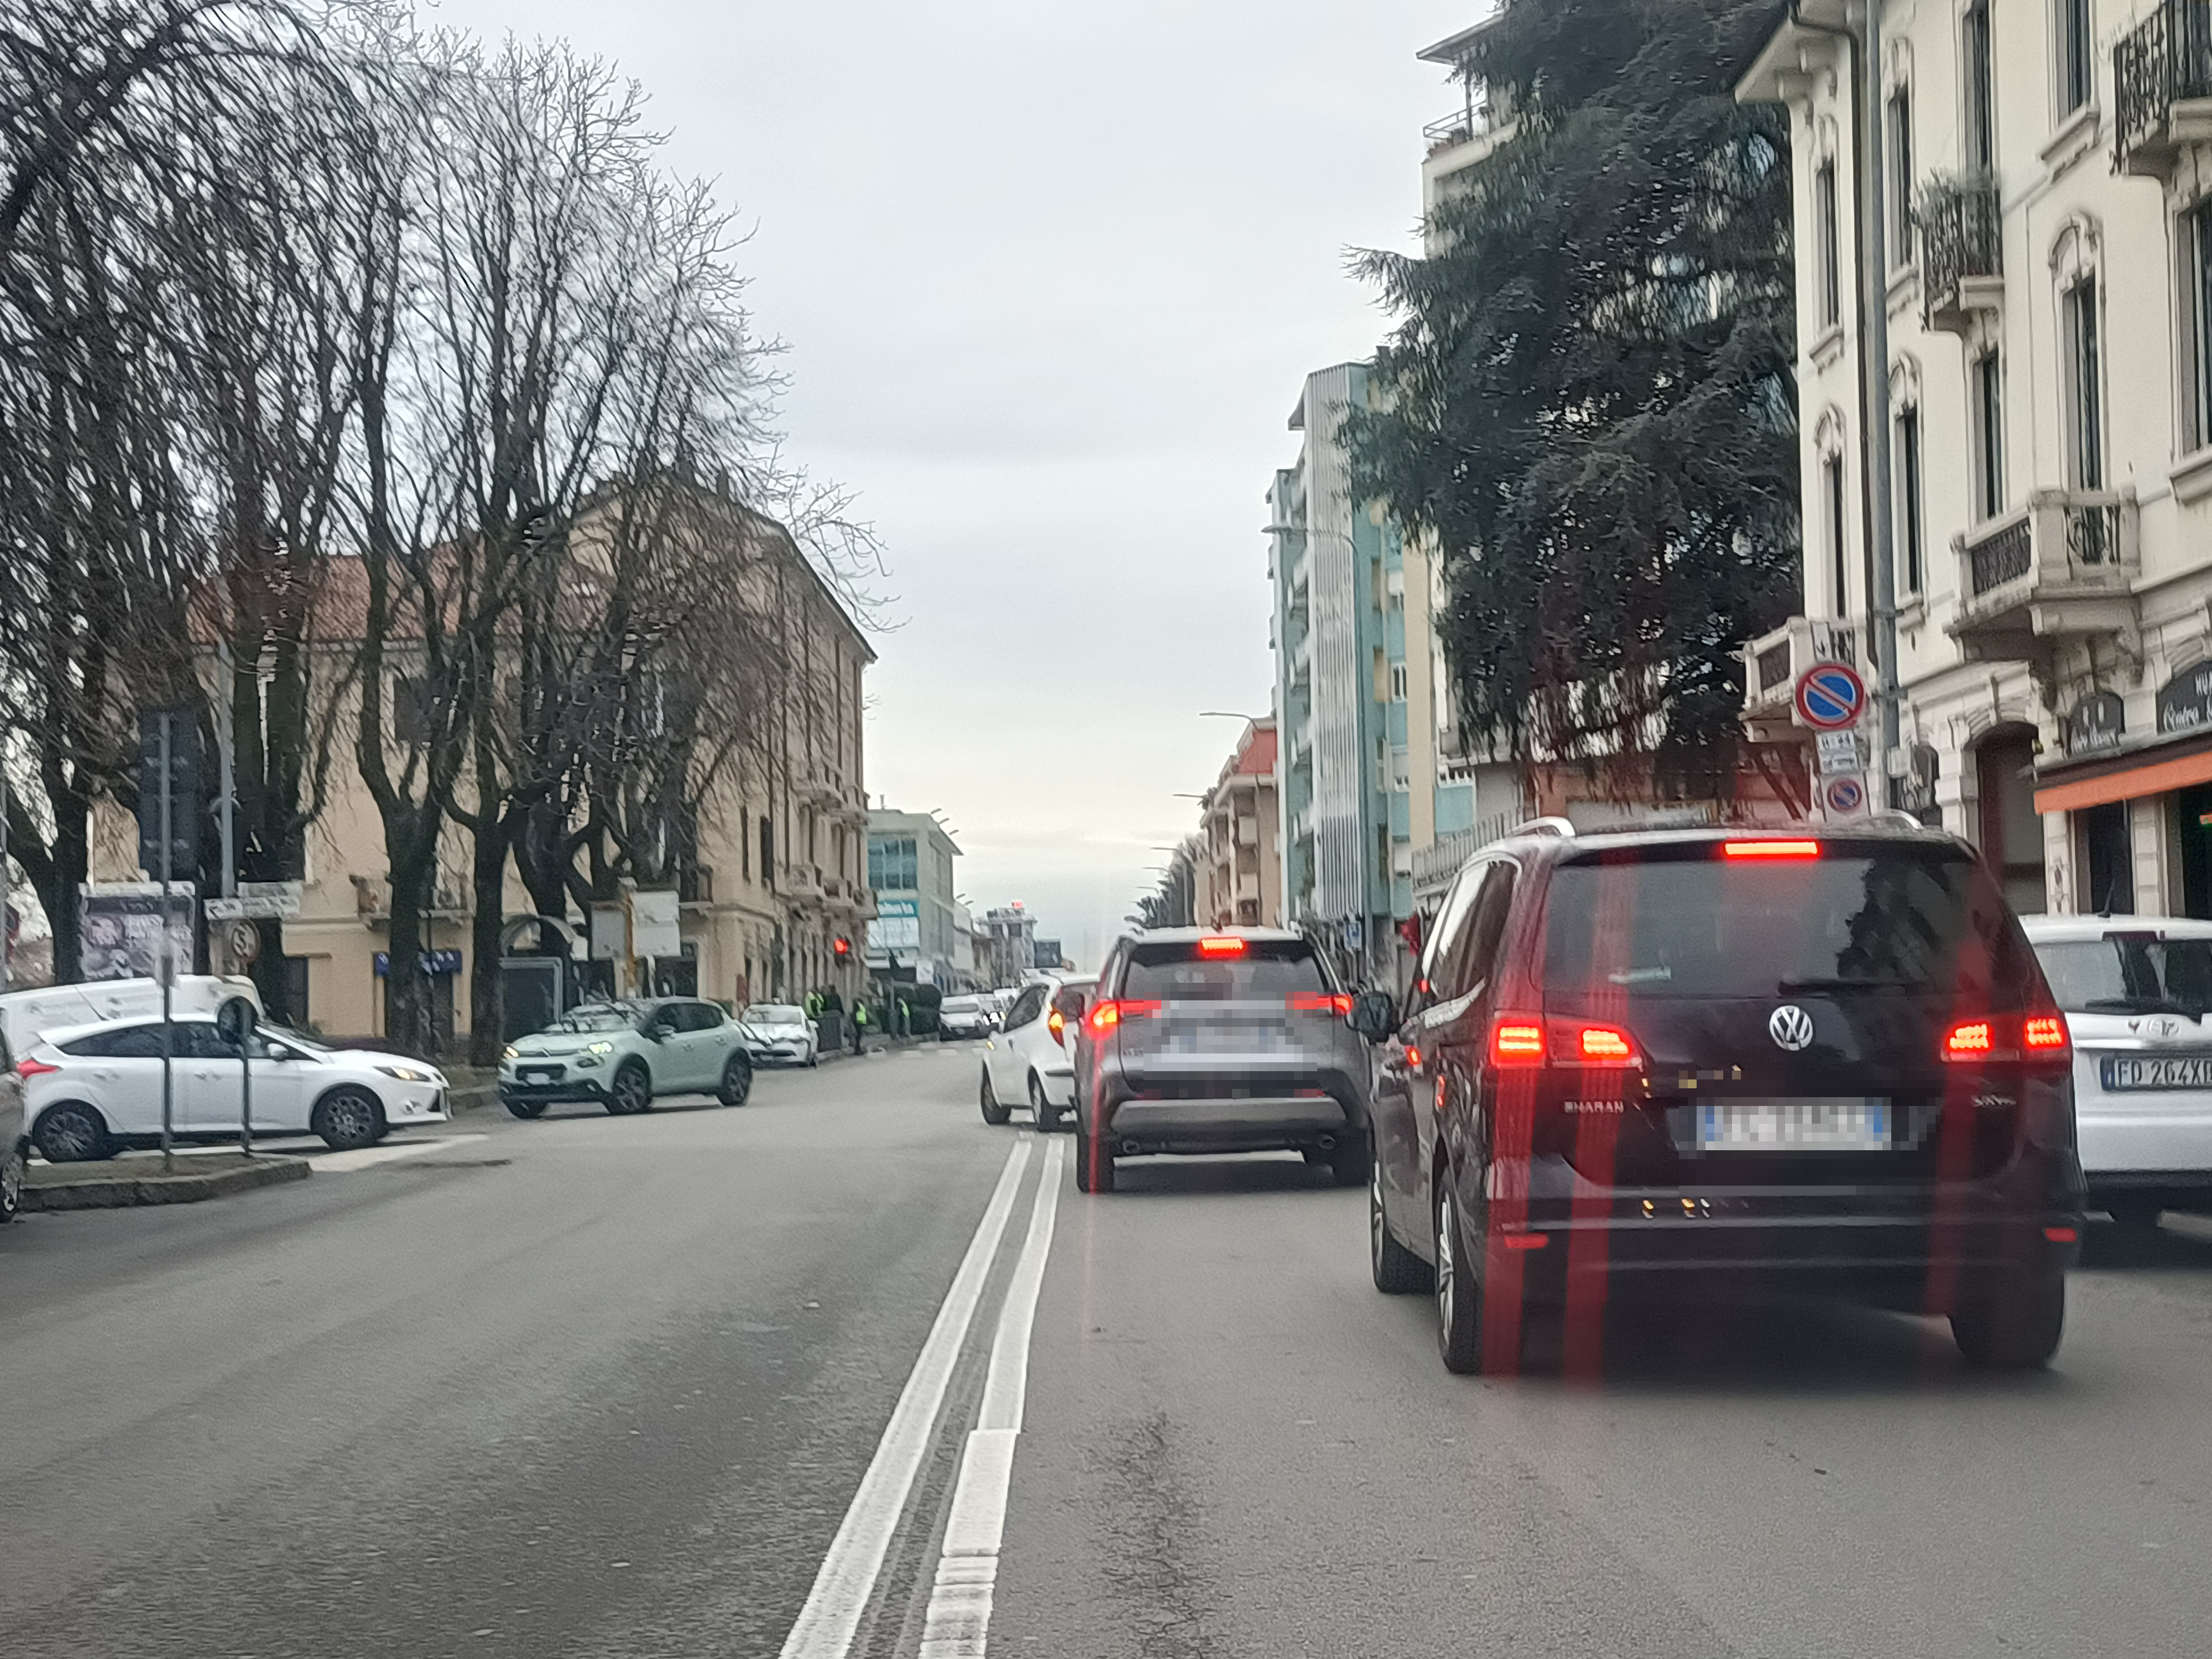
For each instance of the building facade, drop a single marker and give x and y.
(2044, 254)
(1240, 879)
(918, 917)
(1005, 947)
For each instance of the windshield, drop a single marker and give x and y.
(1685, 923)
(775, 1013)
(2129, 974)
(599, 1016)
(961, 1005)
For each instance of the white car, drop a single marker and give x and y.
(1030, 1060)
(93, 1089)
(26, 1016)
(963, 1016)
(14, 1140)
(2137, 995)
(780, 1034)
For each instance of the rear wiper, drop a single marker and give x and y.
(1876, 983)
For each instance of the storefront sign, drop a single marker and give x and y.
(2186, 702)
(2098, 723)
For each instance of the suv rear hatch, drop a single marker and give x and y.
(1222, 1017)
(1783, 1012)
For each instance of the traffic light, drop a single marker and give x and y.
(170, 735)
(843, 947)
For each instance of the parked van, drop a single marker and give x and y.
(25, 1016)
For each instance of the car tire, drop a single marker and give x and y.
(630, 1091)
(1046, 1113)
(1350, 1160)
(1397, 1271)
(12, 1171)
(73, 1133)
(2014, 1325)
(347, 1120)
(1094, 1164)
(995, 1111)
(1458, 1289)
(737, 1081)
(523, 1108)
(2138, 1216)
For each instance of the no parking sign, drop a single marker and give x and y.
(1844, 797)
(1831, 696)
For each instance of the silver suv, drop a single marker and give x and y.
(1203, 1042)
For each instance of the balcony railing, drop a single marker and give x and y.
(2062, 567)
(1961, 248)
(1461, 126)
(2161, 68)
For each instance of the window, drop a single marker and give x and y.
(1397, 681)
(1471, 956)
(131, 1043)
(2108, 857)
(1989, 435)
(1827, 245)
(1899, 137)
(1979, 92)
(1027, 1007)
(1913, 525)
(1839, 588)
(2077, 64)
(768, 855)
(2085, 414)
(1266, 971)
(2196, 240)
(893, 866)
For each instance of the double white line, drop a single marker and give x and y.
(959, 1615)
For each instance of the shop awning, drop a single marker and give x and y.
(2129, 777)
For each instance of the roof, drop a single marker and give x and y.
(2060, 930)
(1452, 50)
(1257, 758)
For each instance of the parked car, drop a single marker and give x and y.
(780, 1034)
(964, 1018)
(1207, 1043)
(1719, 1059)
(624, 1055)
(1031, 1059)
(15, 1133)
(94, 1089)
(25, 1016)
(2136, 991)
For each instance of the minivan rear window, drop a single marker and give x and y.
(1269, 971)
(1679, 921)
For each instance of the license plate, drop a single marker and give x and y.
(1224, 1039)
(538, 1073)
(2124, 1074)
(1847, 1124)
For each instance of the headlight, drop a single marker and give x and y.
(510, 1053)
(405, 1073)
(600, 1048)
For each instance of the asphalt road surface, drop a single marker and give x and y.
(764, 1382)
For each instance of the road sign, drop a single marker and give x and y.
(1846, 798)
(1831, 696)
(251, 910)
(1840, 754)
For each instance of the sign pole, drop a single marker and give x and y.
(166, 960)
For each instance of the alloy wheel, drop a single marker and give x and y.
(1447, 1261)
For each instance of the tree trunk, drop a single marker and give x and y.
(487, 1003)
(412, 835)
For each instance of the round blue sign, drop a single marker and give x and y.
(1846, 795)
(1830, 695)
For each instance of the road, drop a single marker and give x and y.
(594, 1386)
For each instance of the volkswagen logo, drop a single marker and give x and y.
(1791, 1028)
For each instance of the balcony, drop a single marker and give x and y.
(2163, 74)
(1461, 126)
(1961, 225)
(2061, 567)
(1773, 663)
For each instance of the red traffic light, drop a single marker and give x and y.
(843, 947)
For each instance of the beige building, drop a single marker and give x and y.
(774, 876)
(2047, 266)
(1240, 876)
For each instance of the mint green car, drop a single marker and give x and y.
(625, 1055)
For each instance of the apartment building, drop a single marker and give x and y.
(2045, 251)
(1240, 881)
(919, 920)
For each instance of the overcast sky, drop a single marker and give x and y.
(1050, 277)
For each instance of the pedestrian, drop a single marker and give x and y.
(860, 1026)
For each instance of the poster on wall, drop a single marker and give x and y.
(2097, 725)
(122, 930)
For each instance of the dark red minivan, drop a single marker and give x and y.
(1725, 1060)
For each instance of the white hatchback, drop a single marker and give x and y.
(2137, 994)
(1030, 1059)
(93, 1089)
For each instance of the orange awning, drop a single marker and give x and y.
(2153, 778)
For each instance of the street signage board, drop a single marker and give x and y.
(656, 923)
(1844, 797)
(1831, 696)
(1840, 754)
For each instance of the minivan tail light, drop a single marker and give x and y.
(1517, 1040)
(2043, 1034)
(1970, 1039)
(1223, 944)
(1320, 1002)
(1604, 1045)
(1771, 850)
(2041, 1038)
(1525, 1040)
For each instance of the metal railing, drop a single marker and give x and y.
(1461, 127)
(2167, 58)
(2005, 556)
(1961, 235)
(2093, 532)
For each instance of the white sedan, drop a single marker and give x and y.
(2137, 995)
(93, 1089)
(780, 1034)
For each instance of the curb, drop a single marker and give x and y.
(111, 1191)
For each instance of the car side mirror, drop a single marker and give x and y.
(1069, 1005)
(659, 1030)
(1375, 1016)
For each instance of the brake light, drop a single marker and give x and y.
(1516, 1041)
(1221, 946)
(1412, 1058)
(2043, 1034)
(1604, 1045)
(1771, 850)
(1524, 1241)
(26, 1068)
(1320, 1002)
(1106, 1016)
(1970, 1039)
(2039, 1037)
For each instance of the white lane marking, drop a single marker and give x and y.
(367, 1158)
(825, 1626)
(958, 1623)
